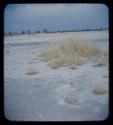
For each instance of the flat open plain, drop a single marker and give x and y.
(61, 94)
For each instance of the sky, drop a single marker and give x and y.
(54, 17)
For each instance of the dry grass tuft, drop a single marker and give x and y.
(71, 52)
(100, 90)
(55, 64)
(31, 71)
(70, 99)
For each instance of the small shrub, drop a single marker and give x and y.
(31, 71)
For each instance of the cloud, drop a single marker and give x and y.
(51, 8)
(34, 8)
(64, 16)
(27, 10)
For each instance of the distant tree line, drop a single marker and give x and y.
(46, 31)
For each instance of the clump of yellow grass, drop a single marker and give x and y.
(100, 90)
(71, 52)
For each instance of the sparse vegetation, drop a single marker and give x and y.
(31, 71)
(99, 65)
(7, 48)
(70, 99)
(71, 52)
(100, 90)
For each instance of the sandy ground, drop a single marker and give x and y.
(46, 96)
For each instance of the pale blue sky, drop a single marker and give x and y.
(53, 17)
